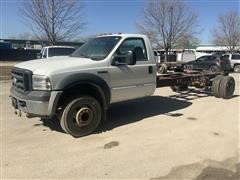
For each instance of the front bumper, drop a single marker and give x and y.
(36, 103)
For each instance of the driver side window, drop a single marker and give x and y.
(201, 58)
(136, 45)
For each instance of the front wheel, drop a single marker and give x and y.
(81, 116)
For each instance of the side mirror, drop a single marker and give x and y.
(126, 59)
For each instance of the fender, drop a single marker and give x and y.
(85, 78)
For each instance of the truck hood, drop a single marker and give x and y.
(61, 64)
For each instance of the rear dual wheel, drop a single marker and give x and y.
(223, 86)
(227, 87)
(216, 86)
(81, 116)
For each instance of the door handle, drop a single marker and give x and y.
(150, 69)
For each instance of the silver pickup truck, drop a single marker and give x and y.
(105, 70)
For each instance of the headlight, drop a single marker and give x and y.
(41, 83)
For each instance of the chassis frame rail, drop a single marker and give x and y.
(190, 78)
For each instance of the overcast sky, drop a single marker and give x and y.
(104, 16)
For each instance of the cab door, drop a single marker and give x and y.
(132, 81)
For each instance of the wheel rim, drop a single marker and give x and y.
(84, 116)
(237, 68)
(189, 67)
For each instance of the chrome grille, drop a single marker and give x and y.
(21, 79)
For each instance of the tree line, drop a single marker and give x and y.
(168, 24)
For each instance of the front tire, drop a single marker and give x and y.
(81, 116)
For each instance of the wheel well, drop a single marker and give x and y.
(84, 89)
(236, 64)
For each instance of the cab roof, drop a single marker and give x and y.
(124, 35)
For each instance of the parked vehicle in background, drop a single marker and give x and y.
(209, 62)
(5, 45)
(235, 61)
(157, 56)
(175, 61)
(52, 51)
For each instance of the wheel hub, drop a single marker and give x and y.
(237, 69)
(84, 116)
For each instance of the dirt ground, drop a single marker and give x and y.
(5, 69)
(166, 136)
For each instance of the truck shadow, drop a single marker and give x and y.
(193, 93)
(132, 111)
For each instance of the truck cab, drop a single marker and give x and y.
(79, 89)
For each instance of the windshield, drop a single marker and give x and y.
(97, 48)
(60, 51)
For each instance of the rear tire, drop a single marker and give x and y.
(227, 87)
(215, 86)
(81, 116)
(237, 68)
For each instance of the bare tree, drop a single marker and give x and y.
(167, 22)
(55, 20)
(187, 41)
(227, 31)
